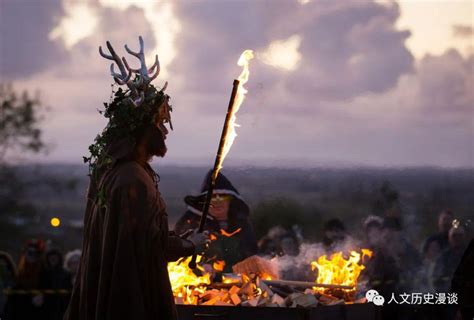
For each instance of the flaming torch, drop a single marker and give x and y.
(228, 134)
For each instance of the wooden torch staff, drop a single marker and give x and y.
(217, 164)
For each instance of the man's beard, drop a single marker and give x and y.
(157, 146)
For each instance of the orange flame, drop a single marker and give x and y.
(186, 285)
(219, 265)
(338, 270)
(227, 234)
(243, 61)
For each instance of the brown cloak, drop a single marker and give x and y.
(126, 246)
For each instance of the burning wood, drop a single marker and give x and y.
(341, 272)
(254, 287)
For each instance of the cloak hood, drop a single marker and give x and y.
(223, 187)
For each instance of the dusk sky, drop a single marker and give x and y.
(334, 83)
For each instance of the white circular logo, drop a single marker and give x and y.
(371, 294)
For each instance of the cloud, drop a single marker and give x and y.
(445, 84)
(283, 54)
(348, 91)
(25, 47)
(77, 13)
(345, 48)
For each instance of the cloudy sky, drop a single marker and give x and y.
(333, 83)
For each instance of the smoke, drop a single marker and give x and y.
(394, 259)
(299, 267)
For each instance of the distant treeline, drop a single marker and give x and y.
(282, 196)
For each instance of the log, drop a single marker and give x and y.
(219, 285)
(279, 301)
(235, 299)
(304, 284)
(234, 290)
(264, 287)
(257, 265)
(253, 302)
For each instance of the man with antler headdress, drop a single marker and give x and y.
(126, 246)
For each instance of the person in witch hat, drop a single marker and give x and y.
(228, 221)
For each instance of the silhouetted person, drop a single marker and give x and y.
(28, 305)
(439, 241)
(126, 244)
(71, 263)
(463, 282)
(334, 234)
(279, 242)
(7, 277)
(407, 258)
(54, 277)
(381, 270)
(449, 259)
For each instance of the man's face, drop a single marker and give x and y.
(157, 146)
(156, 142)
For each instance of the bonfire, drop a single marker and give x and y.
(255, 282)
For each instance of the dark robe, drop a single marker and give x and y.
(229, 249)
(123, 271)
(463, 282)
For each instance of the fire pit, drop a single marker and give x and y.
(254, 291)
(346, 312)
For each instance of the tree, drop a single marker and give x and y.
(19, 122)
(20, 115)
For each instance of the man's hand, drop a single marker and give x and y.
(200, 240)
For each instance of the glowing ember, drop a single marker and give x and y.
(219, 265)
(227, 234)
(243, 61)
(186, 285)
(340, 271)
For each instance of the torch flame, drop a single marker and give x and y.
(243, 61)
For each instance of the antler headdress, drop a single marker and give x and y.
(143, 77)
(130, 110)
